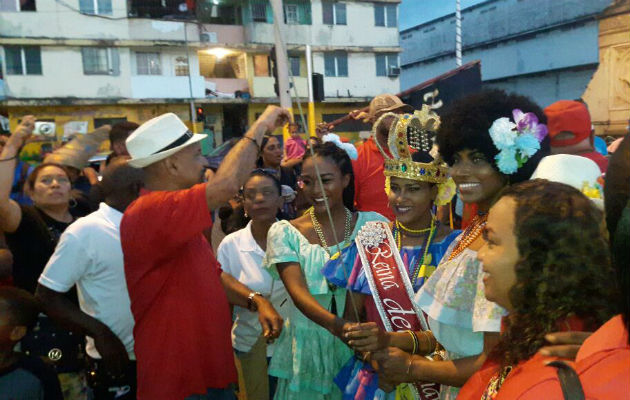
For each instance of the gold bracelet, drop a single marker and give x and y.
(414, 340)
(426, 335)
(409, 366)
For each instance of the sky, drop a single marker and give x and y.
(414, 12)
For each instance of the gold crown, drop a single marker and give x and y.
(413, 131)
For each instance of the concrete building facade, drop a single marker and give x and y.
(545, 49)
(100, 60)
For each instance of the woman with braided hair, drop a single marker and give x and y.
(309, 353)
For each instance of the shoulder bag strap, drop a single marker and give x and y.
(569, 381)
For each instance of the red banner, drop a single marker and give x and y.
(392, 292)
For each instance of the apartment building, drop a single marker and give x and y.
(546, 49)
(93, 62)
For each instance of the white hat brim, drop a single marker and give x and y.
(142, 162)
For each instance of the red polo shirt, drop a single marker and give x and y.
(369, 181)
(181, 312)
(603, 366)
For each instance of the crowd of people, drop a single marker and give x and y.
(477, 254)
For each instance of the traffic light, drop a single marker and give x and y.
(274, 70)
(200, 116)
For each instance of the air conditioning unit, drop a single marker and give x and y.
(393, 71)
(45, 129)
(208, 37)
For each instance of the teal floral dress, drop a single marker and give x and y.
(307, 357)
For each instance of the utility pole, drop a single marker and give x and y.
(193, 110)
(309, 80)
(281, 59)
(458, 33)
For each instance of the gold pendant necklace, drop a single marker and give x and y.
(320, 233)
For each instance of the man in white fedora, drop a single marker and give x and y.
(176, 287)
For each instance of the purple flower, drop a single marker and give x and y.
(528, 123)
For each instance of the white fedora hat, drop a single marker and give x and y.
(577, 171)
(159, 138)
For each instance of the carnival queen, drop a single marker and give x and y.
(389, 262)
(490, 140)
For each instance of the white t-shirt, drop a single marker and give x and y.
(241, 257)
(89, 255)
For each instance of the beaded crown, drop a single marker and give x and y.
(413, 131)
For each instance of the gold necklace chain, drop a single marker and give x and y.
(320, 233)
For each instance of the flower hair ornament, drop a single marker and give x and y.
(347, 147)
(516, 141)
(413, 132)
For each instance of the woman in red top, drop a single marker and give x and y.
(547, 262)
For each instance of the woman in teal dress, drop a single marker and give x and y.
(420, 240)
(309, 352)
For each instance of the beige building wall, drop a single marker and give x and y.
(608, 93)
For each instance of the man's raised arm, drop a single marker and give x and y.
(239, 162)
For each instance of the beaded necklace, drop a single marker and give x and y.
(402, 227)
(471, 234)
(397, 232)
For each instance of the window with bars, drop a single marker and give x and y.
(334, 13)
(223, 14)
(384, 62)
(294, 65)
(259, 12)
(336, 64)
(291, 14)
(23, 60)
(385, 15)
(297, 12)
(100, 61)
(181, 66)
(148, 63)
(96, 7)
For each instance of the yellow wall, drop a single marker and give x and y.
(320, 108)
(63, 114)
(143, 112)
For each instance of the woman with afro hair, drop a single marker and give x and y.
(490, 140)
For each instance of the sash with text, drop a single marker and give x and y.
(393, 293)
